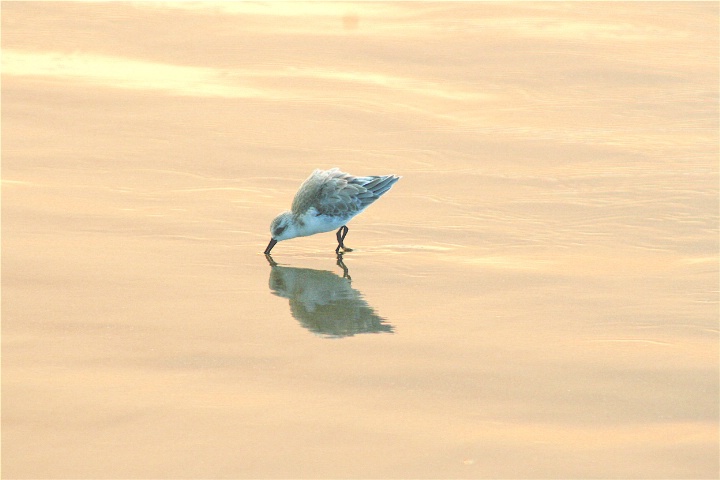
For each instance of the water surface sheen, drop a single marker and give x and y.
(537, 297)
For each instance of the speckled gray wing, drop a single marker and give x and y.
(336, 193)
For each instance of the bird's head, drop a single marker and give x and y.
(283, 227)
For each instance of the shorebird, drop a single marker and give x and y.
(327, 200)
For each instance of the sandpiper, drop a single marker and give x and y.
(327, 200)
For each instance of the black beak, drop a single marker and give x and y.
(270, 246)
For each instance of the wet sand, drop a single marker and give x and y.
(536, 298)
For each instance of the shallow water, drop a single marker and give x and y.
(537, 297)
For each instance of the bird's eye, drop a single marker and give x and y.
(279, 230)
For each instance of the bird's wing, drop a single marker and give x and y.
(309, 192)
(333, 192)
(372, 187)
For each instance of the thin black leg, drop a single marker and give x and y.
(340, 237)
(341, 233)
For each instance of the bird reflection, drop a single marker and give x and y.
(325, 303)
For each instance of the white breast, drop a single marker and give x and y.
(310, 223)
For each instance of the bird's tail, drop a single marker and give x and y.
(377, 185)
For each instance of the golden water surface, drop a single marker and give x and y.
(536, 297)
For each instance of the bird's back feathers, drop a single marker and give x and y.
(336, 193)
